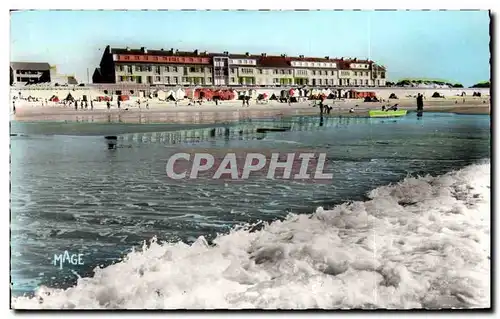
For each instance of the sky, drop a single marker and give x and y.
(449, 45)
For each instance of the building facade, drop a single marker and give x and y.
(174, 68)
(29, 72)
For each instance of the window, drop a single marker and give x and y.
(314, 72)
(233, 70)
(355, 73)
(276, 81)
(326, 82)
(167, 79)
(275, 71)
(382, 75)
(232, 79)
(355, 82)
(209, 79)
(18, 72)
(174, 69)
(176, 79)
(319, 81)
(167, 69)
(331, 81)
(367, 74)
(157, 78)
(129, 69)
(18, 78)
(157, 69)
(138, 68)
(282, 71)
(192, 69)
(184, 79)
(260, 71)
(289, 71)
(246, 70)
(366, 82)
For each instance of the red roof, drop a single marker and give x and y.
(262, 60)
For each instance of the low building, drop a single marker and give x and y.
(195, 68)
(29, 72)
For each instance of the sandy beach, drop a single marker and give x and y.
(208, 112)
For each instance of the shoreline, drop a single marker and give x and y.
(210, 113)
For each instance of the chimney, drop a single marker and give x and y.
(196, 52)
(247, 53)
(226, 53)
(161, 49)
(128, 49)
(327, 57)
(264, 54)
(205, 52)
(301, 56)
(144, 50)
(176, 51)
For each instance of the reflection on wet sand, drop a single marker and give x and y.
(201, 117)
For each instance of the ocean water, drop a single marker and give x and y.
(355, 242)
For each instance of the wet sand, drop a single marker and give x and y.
(233, 111)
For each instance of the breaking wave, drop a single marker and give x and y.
(421, 243)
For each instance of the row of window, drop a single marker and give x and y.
(314, 64)
(165, 79)
(361, 73)
(26, 72)
(158, 69)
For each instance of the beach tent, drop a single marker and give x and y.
(180, 94)
(69, 97)
(393, 96)
(273, 97)
(171, 97)
(123, 97)
(253, 93)
(161, 94)
(54, 99)
(190, 93)
(331, 96)
(169, 93)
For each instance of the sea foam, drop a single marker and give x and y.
(421, 243)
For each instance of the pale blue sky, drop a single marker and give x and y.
(452, 45)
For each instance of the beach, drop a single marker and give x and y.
(183, 112)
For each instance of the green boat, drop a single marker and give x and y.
(380, 113)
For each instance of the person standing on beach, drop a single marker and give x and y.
(91, 105)
(108, 104)
(76, 105)
(118, 103)
(420, 103)
(14, 106)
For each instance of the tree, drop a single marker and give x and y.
(457, 85)
(11, 76)
(481, 85)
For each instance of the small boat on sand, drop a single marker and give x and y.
(389, 113)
